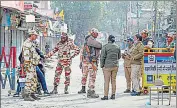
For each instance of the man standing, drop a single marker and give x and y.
(147, 41)
(136, 65)
(170, 43)
(64, 48)
(109, 61)
(30, 61)
(89, 60)
(127, 66)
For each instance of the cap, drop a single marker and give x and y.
(94, 30)
(33, 32)
(144, 31)
(171, 34)
(130, 39)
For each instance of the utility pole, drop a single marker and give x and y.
(155, 18)
(126, 22)
(159, 21)
(137, 16)
(130, 18)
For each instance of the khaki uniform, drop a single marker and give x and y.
(127, 66)
(30, 61)
(136, 65)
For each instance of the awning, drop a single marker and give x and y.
(19, 5)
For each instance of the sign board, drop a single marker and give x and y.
(165, 65)
(151, 58)
(30, 18)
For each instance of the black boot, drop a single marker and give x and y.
(92, 94)
(27, 97)
(104, 98)
(46, 93)
(82, 90)
(16, 95)
(112, 96)
(66, 90)
(39, 92)
(34, 96)
(54, 90)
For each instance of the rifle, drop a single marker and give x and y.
(90, 58)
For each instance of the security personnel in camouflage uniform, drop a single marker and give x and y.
(30, 61)
(64, 48)
(89, 61)
(127, 66)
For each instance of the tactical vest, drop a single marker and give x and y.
(145, 42)
(92, 54)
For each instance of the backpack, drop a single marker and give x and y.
(89, 51)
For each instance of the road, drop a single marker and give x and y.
(74, 100)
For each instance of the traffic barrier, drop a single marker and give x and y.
(10, 67)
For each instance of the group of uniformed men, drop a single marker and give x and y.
(89, 59)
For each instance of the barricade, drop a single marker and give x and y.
(158, 64)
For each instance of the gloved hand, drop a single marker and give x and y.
(80, 65)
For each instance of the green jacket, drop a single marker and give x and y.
(137, 53)
(110, 55)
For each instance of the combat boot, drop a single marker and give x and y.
(93, 94)
(66, 90)
(82, 90)
(23, 93)
(27, 97)
(54, 90)
(88, 93)
(34, 96)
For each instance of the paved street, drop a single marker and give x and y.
(74, 100)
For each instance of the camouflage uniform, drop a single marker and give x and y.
(87, 68)
(30, 60)
(89, 59)
(65, 59)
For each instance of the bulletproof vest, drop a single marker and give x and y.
(145, 42)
